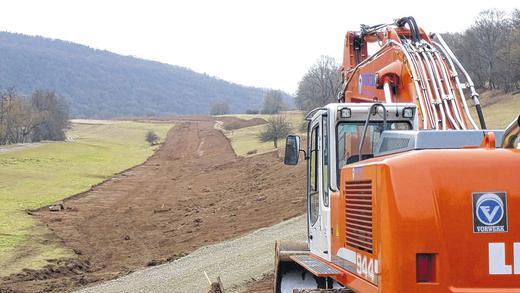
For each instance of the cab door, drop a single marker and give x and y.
(318, 214)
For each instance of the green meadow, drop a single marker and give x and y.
(499, 109)
(38, 176)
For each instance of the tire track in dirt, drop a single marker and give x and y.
(188, 195)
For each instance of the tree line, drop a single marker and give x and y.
(42, 116)
(273, 104)
(490, 49)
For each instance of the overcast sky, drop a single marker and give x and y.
(266, 43)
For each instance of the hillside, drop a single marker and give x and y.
(499, 108)
(102, 84)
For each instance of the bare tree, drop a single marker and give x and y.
(273, 102)
(277, 128)
(42, 117)
(490, 31)
(18, 119)
(320, 85)
(54, 115)
(4, 111)
(515, 49)
(490, 49)
(219, 108)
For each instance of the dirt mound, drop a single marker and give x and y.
(57, 269)
(58, 275)
(232, 123)
(192, 192)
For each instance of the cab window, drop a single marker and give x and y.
(349, 136)
(313, 175)
(325, 160)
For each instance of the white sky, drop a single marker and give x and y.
(264, 43)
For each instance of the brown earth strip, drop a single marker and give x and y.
(232, 123)
(192, 192)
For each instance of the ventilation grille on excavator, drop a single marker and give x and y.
(358, 212)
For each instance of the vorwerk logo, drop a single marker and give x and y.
(489, 212)
(490, 209)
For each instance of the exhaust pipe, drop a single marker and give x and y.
(511, 134)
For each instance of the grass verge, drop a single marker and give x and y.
(499, 109)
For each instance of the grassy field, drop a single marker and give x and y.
(35, 177)
(246, 140)
(499, 109)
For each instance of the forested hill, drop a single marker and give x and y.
(99, 83)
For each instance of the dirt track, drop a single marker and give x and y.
(193, 192)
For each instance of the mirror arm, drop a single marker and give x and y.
(305, 157)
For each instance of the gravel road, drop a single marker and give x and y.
(236, 261)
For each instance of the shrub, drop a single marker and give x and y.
(151, 137)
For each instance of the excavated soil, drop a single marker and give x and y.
(192, 192)
(263, 285)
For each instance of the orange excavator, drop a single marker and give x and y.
(406, 192)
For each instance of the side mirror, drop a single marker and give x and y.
(292, 150)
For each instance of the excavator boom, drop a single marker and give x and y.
(400, 63)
